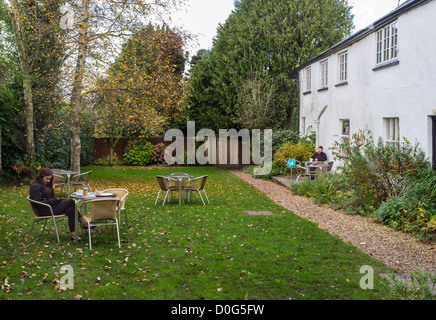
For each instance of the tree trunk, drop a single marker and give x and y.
(112, 143)
(76, 96)
(1, 171)
(111, 150)
(25, 69)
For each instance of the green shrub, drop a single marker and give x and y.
(421, 286)
(424, 179)
(414, 212)
(104, 161)
(26, 169)
(280, 137)
(299, 151)
(139, 153)
(276, 170)
(323, 189)
(374, 172)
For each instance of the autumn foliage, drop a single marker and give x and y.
(143, 89)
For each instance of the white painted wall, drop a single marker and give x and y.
(406, 90)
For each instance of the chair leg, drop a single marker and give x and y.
(81, 227)
(166, 195)
(201, 197)
(31, 228)
(56, 229)
(118, 233)
(206, 196)
(45, 223)
(125, 215)
(158, 195)
(89, 236)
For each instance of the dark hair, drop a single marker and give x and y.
(48, 188)
(320, 147)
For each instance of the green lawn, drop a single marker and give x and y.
(187, 252)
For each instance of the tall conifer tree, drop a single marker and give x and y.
(265, 41)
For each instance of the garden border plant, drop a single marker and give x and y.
(393, 183)
(286, 145)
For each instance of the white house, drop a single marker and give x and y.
(382, 78)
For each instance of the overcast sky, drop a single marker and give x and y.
(203, 17)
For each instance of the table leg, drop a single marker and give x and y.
(180, 191)
(68, 187)
(76, 219)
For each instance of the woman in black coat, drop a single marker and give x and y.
(41, 189)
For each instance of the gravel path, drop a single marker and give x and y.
(395, 249)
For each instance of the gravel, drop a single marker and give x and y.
(395, 249)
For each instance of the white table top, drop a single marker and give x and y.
(179, 176)
(92, 196)
(64, 172)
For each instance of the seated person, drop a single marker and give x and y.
(318, 156)
(41, 190)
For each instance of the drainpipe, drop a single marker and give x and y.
(317, 121)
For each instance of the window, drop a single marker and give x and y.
(379, 46)
(324, 69)
(307, 79)
(346, 127)
(343, 67)
(387, 43)
(303, 126)
(345, 130)
(392, 130)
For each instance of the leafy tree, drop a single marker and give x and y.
(144, 88)
(265, 40)
(203, 104)
(18, 21)
(94, 28)
(257, 106)
(31, 41)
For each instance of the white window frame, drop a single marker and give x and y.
(387, 43)
(343, 66)
(324, 73)
(379, 46)
(345, 123)
(391, 127)
(307, 79)
(303, 126)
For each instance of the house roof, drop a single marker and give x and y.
(406, 6)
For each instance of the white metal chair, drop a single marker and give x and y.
(178, 181)
(164, 185)
(103, 212)
(312, 171)
(37, 217)
(122, 195)
(294, 164)
(190, 187)
(81, 180)
(59, 180)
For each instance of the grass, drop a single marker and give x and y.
(189, 252)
